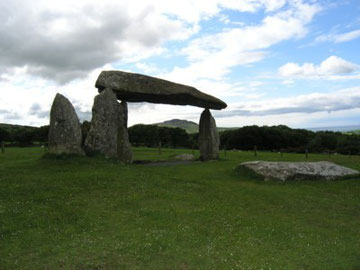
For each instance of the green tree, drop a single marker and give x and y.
(41, 134)
(24, 137)
(4, 135)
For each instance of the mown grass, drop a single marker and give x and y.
(90, 213)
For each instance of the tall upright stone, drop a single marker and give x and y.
(102, 137)
(124, 109)
(108, 134)
(208, 137)
(65, 131)
(124, 150)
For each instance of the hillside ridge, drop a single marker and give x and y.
(189, 126)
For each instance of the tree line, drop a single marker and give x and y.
(267, 138)
(152, 136)
(283, 138)
(24, 136)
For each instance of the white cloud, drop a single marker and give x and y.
(347, 36)
(294, 120)
(69, 42)
(339, 38)
(325, 109)
(287, 82)
(28, 99)
(146, 68)
(342, 100)
(64, 40)
(192, 11)
(329, 68)
(213, 56)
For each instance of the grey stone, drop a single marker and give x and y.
(65, 131)
(124, 109)
(106, 118)
(286, 171)
(108, 134)
(208, 137)
(141, 88)
(185, 157)
(124, 151)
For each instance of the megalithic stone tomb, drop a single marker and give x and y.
(132, 87)
(108, 132)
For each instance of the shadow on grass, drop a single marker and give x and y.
(91, 157)
(247, 173)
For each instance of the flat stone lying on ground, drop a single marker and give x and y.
(286, 171)
(65, 131)
(141, 88)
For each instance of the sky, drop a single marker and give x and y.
(274, 62)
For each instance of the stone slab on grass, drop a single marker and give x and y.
(286, 171)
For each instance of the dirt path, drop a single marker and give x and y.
(163, 163)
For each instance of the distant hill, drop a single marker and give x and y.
(344, 129)
(189, 126)
(14, 128)
(353, 132)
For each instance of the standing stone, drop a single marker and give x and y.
(124, 150)
(124, 108)
(65, 131)
(106, 118)
(108, 134)
(208, 137)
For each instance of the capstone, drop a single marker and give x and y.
(134, 87)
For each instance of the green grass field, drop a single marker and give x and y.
(89, 213)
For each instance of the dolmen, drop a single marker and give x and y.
(290, 171)
(108, 132)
